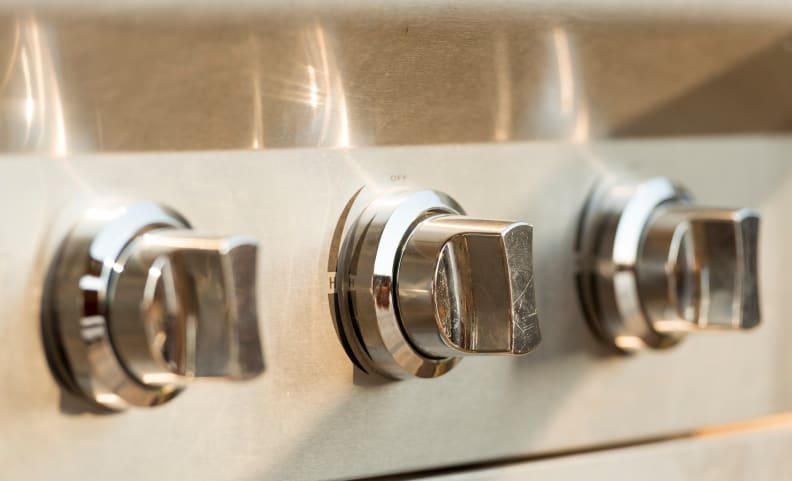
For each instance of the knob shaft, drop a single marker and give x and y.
(465, 286)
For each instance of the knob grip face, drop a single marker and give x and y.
(465, 286)
(184, 305)
(697, 268)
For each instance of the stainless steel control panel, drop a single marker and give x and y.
(312, 407)
(473, 239)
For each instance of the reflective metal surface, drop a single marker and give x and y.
(643, 85)
(197, 297)
(269, 77)
(32, 116)
(465, 286)
(749, 450)
(313, 409)
(137, 305)
(418, 284)
(653, 267)
(698, 268)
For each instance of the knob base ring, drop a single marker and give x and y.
(370, 236)
(610, 234)
(74, 306)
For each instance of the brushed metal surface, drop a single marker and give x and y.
(273, 76)
(313, 417)
(756, 453)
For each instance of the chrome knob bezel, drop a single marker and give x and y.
(75, 307)
(373, 240)
(612, 270)
(137, 304)
(364, 299)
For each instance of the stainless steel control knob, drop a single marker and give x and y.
(139, 304)
(654, 267)
(465, 286)
(418, 285)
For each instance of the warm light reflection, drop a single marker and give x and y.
(29, 111)
(43, 86)
(572, 105)
(313, 88)
(116, 267)
(195, 242)
(161, 378)
(774, 421)
(31, 87)
(109, 399)
(154, 272)
(314, 81)
(673, 325)
(102, 214)
(11, 66)
(258, 122)
(28, 94)
(582, 130)
(629, 343)
(503, 107)
(91, 283)
(566, 81)
(335, 114)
